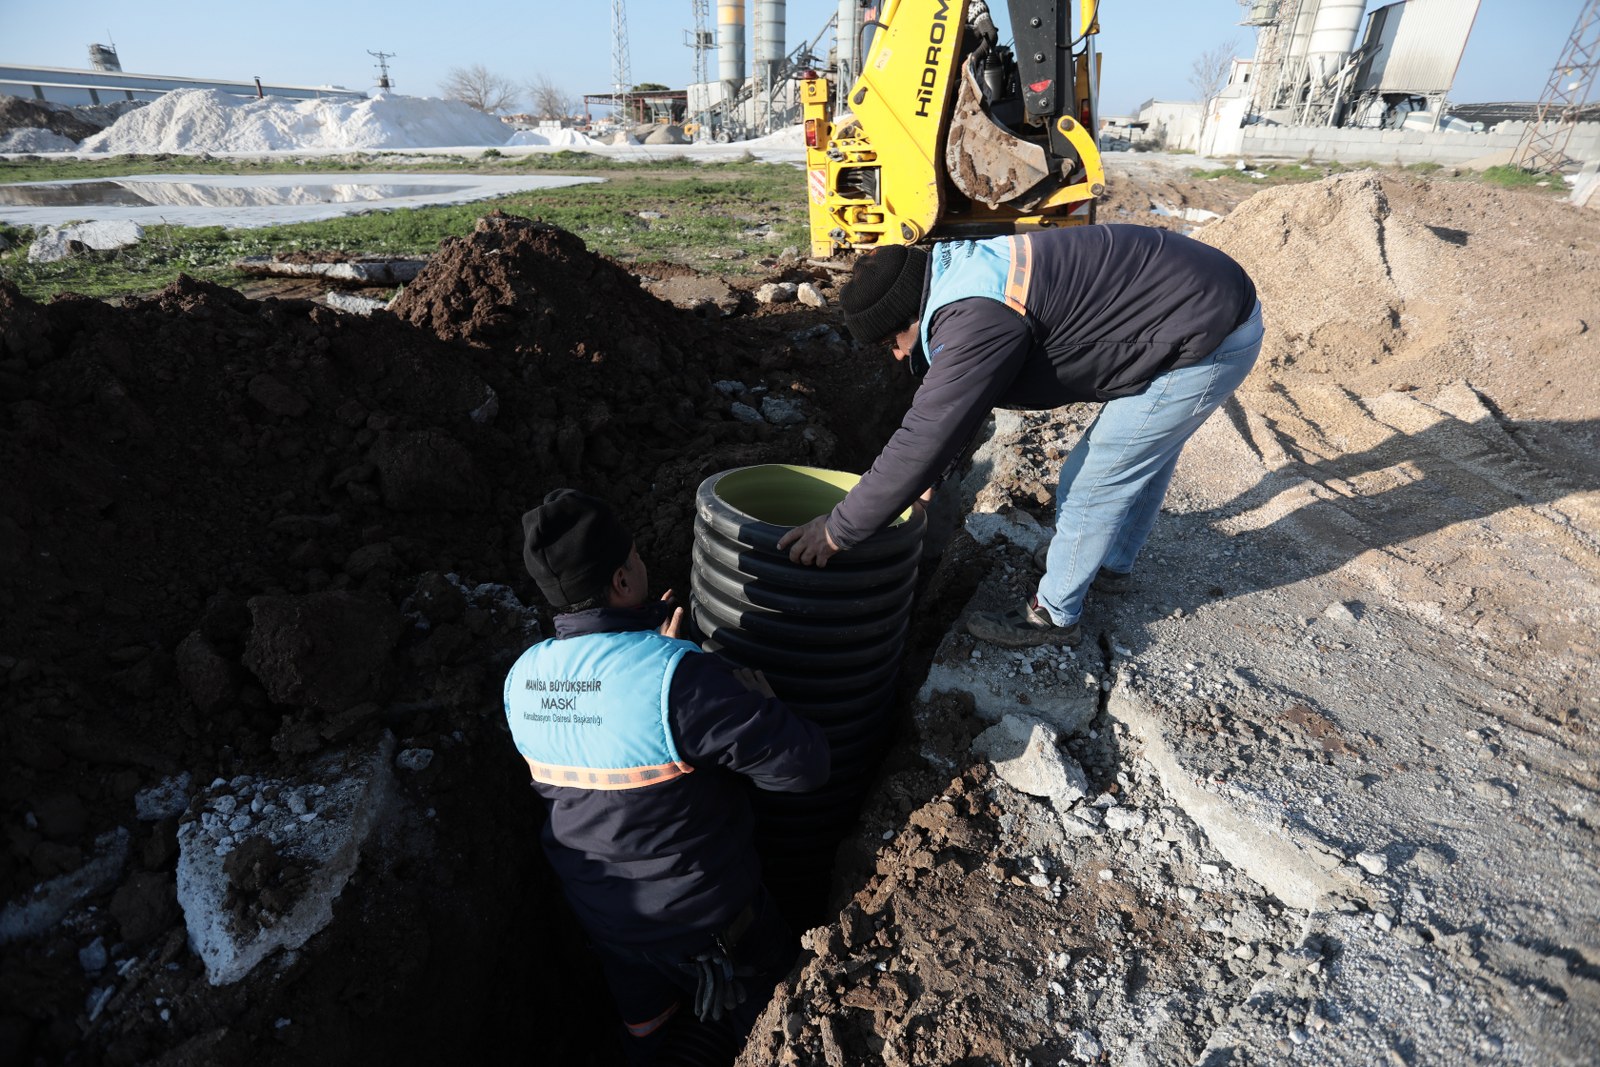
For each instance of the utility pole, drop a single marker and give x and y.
(383, 68)
(1544, 149)
(621, 74)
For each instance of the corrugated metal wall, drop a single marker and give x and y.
(1421, 44)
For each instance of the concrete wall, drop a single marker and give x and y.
(1393, 146)
(1177, 121)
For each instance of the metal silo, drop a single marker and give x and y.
(1304, 18)
(1333, 36)
(730, 44)
(845, 35)
(770, 47)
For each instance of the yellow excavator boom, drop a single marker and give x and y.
(949, 133)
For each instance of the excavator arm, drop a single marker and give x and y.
(948, 132)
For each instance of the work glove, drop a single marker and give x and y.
(717, 987)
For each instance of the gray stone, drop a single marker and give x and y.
(781, 411)
(777, 293)
(1026, 754)
(811, 296)
(745, 413)
(415, 759)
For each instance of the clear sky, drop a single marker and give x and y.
(1150, 45)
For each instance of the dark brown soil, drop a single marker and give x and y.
(223, 523)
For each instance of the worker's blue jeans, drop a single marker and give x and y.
(1113, 481)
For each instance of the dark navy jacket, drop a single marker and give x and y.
(1107, 309)
(666, 864)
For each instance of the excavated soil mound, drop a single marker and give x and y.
(19, 114)
(224, 546)
(1386, 282)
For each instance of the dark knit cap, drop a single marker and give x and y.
(884, 293)
(572, 544)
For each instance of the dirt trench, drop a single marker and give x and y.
(214, 488)
(242, 536)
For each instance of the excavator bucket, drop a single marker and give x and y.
(985, 160)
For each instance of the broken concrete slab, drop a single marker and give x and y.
(355, 305)
(358, 271)
(57, 243)
(1044, 683)
(300, 839)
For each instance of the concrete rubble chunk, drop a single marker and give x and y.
(46, 903)
(355, 305)
(230, 940)
(998, 689)
(809, 295)
(1026, 754)
(60, 242)
(777, 293)
(366, 271)
(781, 411)
(165, 800)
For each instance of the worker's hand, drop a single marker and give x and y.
(673, 627)
(922, 502)
(810, 544)
(754, 681)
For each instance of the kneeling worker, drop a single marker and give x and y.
(637, 742)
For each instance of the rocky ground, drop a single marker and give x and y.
(1319, 788)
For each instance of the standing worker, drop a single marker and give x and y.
(1159, 327)
(638, 742)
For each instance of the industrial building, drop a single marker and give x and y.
(107, 83)
(1321, 86)
(1314, 67)
(747, 101)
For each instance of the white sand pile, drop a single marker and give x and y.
(560, 137)
(788, 137)
(35, 139)
(204, 120)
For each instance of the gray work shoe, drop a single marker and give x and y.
(1022, 627)
(1105, 581)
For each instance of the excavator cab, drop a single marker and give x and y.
(950, 133)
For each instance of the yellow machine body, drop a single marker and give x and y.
(885, 170)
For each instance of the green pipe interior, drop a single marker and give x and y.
(787, 495)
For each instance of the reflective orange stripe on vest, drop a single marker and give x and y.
(1020, 275)
(591, 778)
(647, 1028)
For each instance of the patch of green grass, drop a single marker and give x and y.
(723, 218)
(1424, 169)
(1267, 174)
(1509, 177)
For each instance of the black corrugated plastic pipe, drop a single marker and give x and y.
(829, 640)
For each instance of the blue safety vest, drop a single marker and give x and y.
(999, 268)
(590, 712)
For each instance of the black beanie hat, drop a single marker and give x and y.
(884, 293)
(572, 544)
